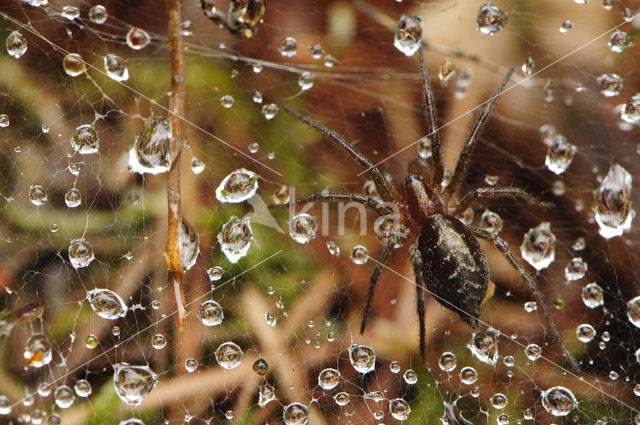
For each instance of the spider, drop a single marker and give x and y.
(447, 258)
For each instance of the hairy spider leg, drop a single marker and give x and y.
(493, 192)
(416, 259)
(381, 183)
(503, 247)
(462, 166)
(376, 206)
(431, 119)
(373, 281)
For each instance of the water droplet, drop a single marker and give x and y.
(539, 246)
(610, 84)
(253, 148)
(295, 414)
(70, 12)
(215, 273)
(410, 377)
(257, 98)
(316, 51)
(151, 152)
(73, 65)
(270, 319)
(447, 362)
(238, 186)
(527, 67)
(499, 401)
(333, 248)
(210, 313)
(408, 35)
(399, 409)
(106, 304)
(592, 295)
(342, 399)
(362, 358)
(305, 81)
(559, 155)
(37, 351)
(261, 367)
(235, 239)
(98, 14)
(85, 140)
(446, 70)
(585, 333)
(158, 341)
(468, 375)
(565, 27)
(491, 19)
(72, 198)
(191, 365)
(329, 378)
(266, 394)
(131, 421)
(484, 346)
(197, 166)
(559, 401)
(533, 352)
(502, 419)
(80, 253)
(115, 68)
(16, 44)
(359, 255)
(189, 245)
(491, 222)
(137, 38)
(82, 387)
(270, 110)
(288, 47)
(74, 168)
(576, 269)
(619, 41)
(4, 123)
(91, 342)
(63, 397)
(303, 228)
(612, 205)
(5, 405)
(229, 355)
(133, 383)
(633, 311)
(37, 195)
(227, 101)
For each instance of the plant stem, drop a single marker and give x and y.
(176, 107)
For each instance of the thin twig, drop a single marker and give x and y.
(176, 107)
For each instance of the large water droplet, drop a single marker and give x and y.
(633, 311)
(612, 205)
(362, 358)
(270, 110)
(210, 313)
(106, 304)
(82, 387)
(98, 14)
(592, 295)
(491, 222)
(559, 401)
(539, 246)
(115, 67)
(491, 19)
(630, 112)
(37, 195)
(468, 375)
(74, 65)
(84, 140)
(303, 228)
(238, 186)
(151, 153)
(295, 414)
(499, 401)
(260, 366)
(137, 38)
(399, 409)
(37, 351)
(533, 352)
(585, 332)
(235, 239)
(80, 253)
(5, 405)
(484, 346)
(158, 341)
(215, 273)
(329, 378)
(342, 399)
(359, 255)
(559, 155)
(408, 34)
(63, 397)
(16, 44)
(73, 198)
(447, 362)
(266, 394)
(410, 377)
(133, 383)
(229, 355)
(189, 245)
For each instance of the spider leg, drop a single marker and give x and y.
(431, 118)
(416, 259)
(465, 156)
(493, 192)
(373, 281)
(376, 206)
(381, 183)
(503, 247)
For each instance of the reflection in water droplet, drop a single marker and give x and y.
(133, 383)
(270, 110)
(612, 205)
(98, 14)
(227, 101)
(362, 358)
(37, 351)
(238, 186)
(592, 295)
(539, 246)
(215, 273)
(491, 19)
(72, 198)
(37, 195)
(16, 44)
(63, 397)
(610, 84)
(484, 346)
(197, 166)
(499, 401)
(527, 67)
(576, 269)
(115, 67)
(559, 401)
(633, 311)
(342, 399)
(5, 405)
(491, 222)
(447, 362)
(619, 41)
(559, 155)
(106, 304)
(295, 414)
(91, 342)
(305, 81)
(210, 313)
(82, 387)
(316, 51)
(229, 355)
(235, 239)
(137, 38)
(266, 394)
(533, 352)
(80, 253)
(408, 35)
(158, 341)
(399, 409)
(4, 123)
(151, 152)
(329, 378)
(410, 377)
(73, 65)
(303, 228)
(189, 245)
(468, 375)
(585, 333)
(191, 365)
(261, 367)
(565, 27)
(85, 140)
(288, 47)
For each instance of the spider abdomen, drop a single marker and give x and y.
(454, 266)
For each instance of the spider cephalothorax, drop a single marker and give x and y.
(447, 258)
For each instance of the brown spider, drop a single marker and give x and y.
(447, 259)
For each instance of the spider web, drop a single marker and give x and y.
(296, 306)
